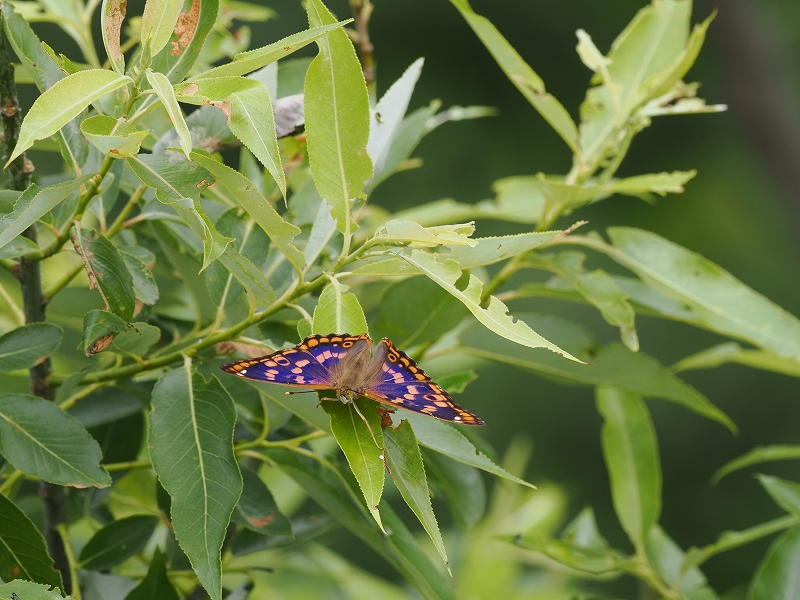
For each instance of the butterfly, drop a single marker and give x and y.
(346, 363)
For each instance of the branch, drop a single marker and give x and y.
(362, 11)
(30, 281)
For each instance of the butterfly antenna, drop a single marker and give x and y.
(363, 418)
(300, 392)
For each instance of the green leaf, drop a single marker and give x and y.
(144, 283)
(158, 21)
(99, 329)
(305, 406)
(731, 352)
(40, 439)
(337, 120)
(247, 106)
(756, 456)
(720, 301)
(165, 92)
(136, 339)
(191, 446)
(461, 484)
(245, 192)
(521, 75)
(18, 247)
(45, 73)
(178, 57)
(445, 439)
(338, 311)
(729, 540)
(172, 180)
(603, 292)
(156, 584)
(107, 272)
(631, 454)
(490, 250)
(417, 311)
(668, 559)
(776, 576)
(112, 137)
(117, 542)
(63, 102)
(656, 183)
(457, 382)
(29, 591)
(23, 552)
(256, 509)
(404, 462)
(325, 485)
(32, 205)
(612, 365)
(495, 317)
(362, 444)
(113, 14)
(26, 346)
(786, 494)
(252, 60)
(391, 109)
(403, 231)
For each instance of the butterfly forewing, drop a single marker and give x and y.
(292, 366)
(404, 385)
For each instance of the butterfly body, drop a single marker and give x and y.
(346, 364)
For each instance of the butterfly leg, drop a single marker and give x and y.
(386, 416)
(363, 418)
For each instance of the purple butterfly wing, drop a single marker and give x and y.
(404, 385)
(292, 366)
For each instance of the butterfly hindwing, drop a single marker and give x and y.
(292, 366)
(404, 385)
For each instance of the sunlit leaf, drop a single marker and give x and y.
(118, 139)
(165, 92)
(338, 311)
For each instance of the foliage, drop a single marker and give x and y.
(194, 220)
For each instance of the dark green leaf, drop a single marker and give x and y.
(461, 484)
(156, 584)
(25, 346)
(631, 454)
(603, 292)
(42, 440)
(337, 120)
(257, 510)
(191, 441)
(99, 329)
(172, 180)
(23, 552)
(404, 462)
(144, 283)
(107, 272)
(362, 444)
(117, 542)
(137, 339)
(776, 577)
(105, 406)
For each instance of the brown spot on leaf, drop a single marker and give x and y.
(112, 23)
(190, 90)
(225, 107)
(185, 28)
(262, 522)
(14, 571)
(137, 307)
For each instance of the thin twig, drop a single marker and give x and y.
(362, 11)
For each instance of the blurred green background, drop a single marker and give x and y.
(741, 211)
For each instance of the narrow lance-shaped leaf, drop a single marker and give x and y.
(42, 440)
(612, 302)
(63, 102)
(245, 192)
(631, 454)
(338, 311)
(252, 60)
(495, 317)
(776, 576)
(165, 92)
(158, 21)
(404, 461)
(337, 120)
(521, 75)
(107, 272)
(362, 444)
(32, 205)
(786, 494)
(113, 14)
(731, 352)
(757, 456)
(23, 553)
(191, 441)
(461, 484)
(722, 302)
(26, 346)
